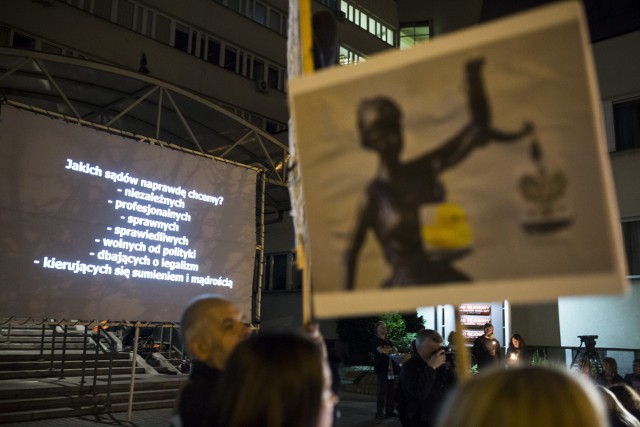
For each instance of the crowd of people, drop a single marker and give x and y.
(238, 379)
(507, 390)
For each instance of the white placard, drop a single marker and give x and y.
(473, 167)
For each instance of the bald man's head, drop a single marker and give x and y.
(211, 328)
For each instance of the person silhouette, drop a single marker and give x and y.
(399, 189)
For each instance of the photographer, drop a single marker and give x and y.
(424, 381)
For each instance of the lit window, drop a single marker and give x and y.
(348, 56)
(413, 33)
(367, 22)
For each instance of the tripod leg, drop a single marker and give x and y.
(573, 362)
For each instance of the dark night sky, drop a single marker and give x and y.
(607, 18)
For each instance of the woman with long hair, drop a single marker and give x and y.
(274, 380)
(628, 397)
(618, 415)
(609, 375)
(517, 353)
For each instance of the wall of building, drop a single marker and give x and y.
(68, 26)
(539, 324)
(626, 176)
(559, 323)
(617, 69)
(387, 10)
(280, 236)
(618, 79)
(415, 11)
(613, 318)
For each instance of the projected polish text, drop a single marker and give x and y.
(146, 239)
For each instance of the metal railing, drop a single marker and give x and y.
(96, 342)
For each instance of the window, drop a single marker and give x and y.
(272, 77)
(49, 48)
(247, 7)
(331, 4)
(193, 46)
(348, 56)
(274, 127)
(230, 59)
(631, 236)
(275, 20)
(181, 37)
(4, 36)
(367, 22)
(163, 29)
(234, 4)
(364, 21)
(626, 124)
(258, 70)
(281, 273)
(260, 13)
(390, 37)
(125, 13)
(412, 33)
(102, 8)
(82, 4)
(140, 23)
(242, 68)
(150, 23)
(213, 51)
(201, 46)
(23, 42)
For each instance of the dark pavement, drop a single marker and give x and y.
(356, 410)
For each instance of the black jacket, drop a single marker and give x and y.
(196, 396)
(423, 391)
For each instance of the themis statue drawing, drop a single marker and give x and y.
(399, 189)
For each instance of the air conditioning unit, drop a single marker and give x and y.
(341, 16)
(262, 86)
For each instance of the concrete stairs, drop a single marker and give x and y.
(40, 378)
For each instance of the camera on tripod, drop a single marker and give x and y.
(589, 341)
(588, 358)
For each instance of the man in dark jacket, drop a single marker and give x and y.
(383, 367)
(211, 328)
(424, 381)
(486, 348)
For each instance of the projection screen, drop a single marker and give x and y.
(97, 226)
